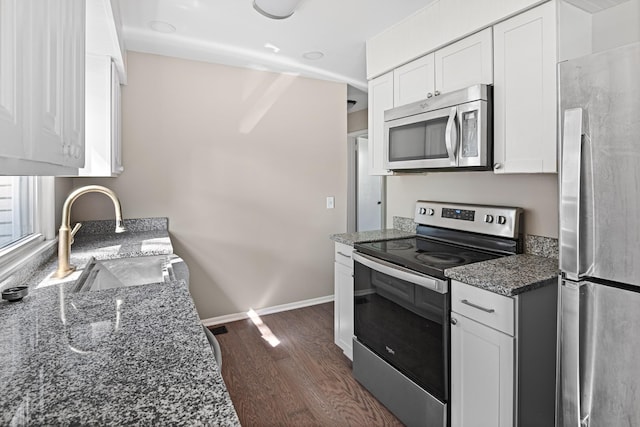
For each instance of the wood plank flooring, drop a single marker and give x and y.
(305, 380)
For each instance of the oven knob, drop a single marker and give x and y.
(502, 220)
(430, 211)
(488, 218)
(422, 211)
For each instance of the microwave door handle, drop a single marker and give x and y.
(451, 136)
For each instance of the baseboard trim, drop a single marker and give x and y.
(213, 321)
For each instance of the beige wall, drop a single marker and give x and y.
(537, 194)
(358, 120)
(241, 162)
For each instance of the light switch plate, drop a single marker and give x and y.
(330, 202)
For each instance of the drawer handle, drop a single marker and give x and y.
(344, 255)
(486, 310)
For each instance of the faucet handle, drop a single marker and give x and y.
(74, 231)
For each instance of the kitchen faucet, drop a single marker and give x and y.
(65, 234)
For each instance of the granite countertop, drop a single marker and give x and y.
(134, 355)
(369, 236)
(510, 275)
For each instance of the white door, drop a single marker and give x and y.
(482, 375)
(369, 203)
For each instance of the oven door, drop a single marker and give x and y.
(422, 141)
(402, 316)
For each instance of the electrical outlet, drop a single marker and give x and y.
(330, 202)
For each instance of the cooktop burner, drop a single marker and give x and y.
(436, 258)
(425, 255)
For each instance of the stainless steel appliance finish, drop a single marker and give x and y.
(493, 220)
(449, 131)
(598, 369)
(402, 303)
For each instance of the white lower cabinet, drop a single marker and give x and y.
(343, 299)
(482, 368)
(503, 357)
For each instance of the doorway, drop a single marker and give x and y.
(367, 202)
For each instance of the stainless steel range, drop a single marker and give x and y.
(402, 303)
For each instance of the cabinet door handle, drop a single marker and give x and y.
(344, 255)
(486, 310)
(454, 321)
(497, 165)
(436, 93)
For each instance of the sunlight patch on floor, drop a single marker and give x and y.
(267, 335)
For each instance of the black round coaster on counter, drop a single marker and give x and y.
(15, 294)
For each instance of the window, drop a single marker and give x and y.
(17, 209)
(26, 220)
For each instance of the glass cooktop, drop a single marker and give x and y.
(424, 255)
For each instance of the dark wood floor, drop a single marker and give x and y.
(304, 381)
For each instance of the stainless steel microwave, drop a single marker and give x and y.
(446, 132)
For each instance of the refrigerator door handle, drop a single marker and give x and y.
(569, 382)
(570, 193)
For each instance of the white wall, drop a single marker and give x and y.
(241, 161)
(537, 194)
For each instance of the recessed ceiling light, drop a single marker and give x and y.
(313, 56)
(162, 27)
(272, 47)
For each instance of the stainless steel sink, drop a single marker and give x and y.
(123, 272)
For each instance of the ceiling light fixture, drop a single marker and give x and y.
(313, 55)
(162, 27)
(276, 9)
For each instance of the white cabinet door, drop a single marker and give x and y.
(465, 63)
(42, 116)
(12, 74)
(482, 375)
(414, 81)
(525, 92)
(380, 99)
(102, 115)
(343, 306)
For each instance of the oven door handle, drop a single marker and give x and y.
(402, 273)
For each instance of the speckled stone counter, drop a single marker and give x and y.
(369, 236)
(511, 275)
(127, 356)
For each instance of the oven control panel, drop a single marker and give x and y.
(493, 220)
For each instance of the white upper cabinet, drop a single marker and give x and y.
(380, 99)
(434, 26)
(42, 61)
(12, 98)
(103, 136)
(459, 65)
(465, 63)
(105, 71)
(525, 92)
(414, 81)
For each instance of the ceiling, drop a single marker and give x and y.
(232, 32)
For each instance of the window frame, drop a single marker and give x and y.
(15, 255)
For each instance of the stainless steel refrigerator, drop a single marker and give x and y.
(599, 332)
